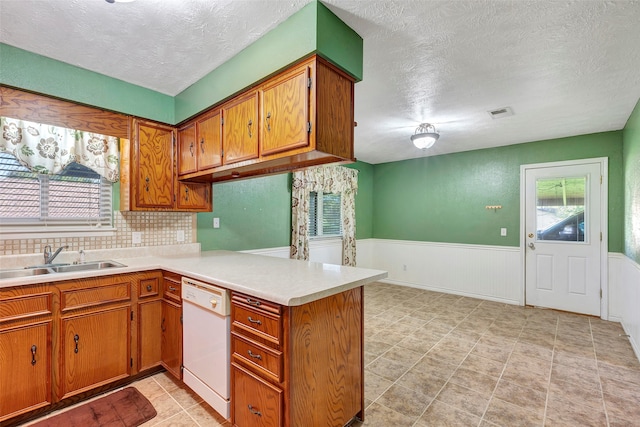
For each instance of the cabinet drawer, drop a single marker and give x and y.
(256, 403)
(149, 287)
(25, 306)
(74, 298)
(172, 290)
(258, 322)
(266, 360)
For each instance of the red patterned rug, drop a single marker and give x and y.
(124, 408)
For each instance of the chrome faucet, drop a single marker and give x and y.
(48, 257)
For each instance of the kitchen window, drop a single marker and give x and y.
(325, 217)
(76, 198)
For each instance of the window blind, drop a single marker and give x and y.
(75, 196)
(325, 217)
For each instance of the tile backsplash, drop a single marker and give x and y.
(157, 228)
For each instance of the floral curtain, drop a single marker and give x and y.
(46, 149)
(328, 179)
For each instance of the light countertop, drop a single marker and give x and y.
(280, 280)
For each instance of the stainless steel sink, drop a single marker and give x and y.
(23, 272)
(95, 265)
(58, 268)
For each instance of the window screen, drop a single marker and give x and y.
(76, 196)
(325, 217)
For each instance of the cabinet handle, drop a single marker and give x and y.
(149, 287)
(254, 412)
(162, 325)
(257, 322)
(172, 289)
(253, 302)
(147, 185)
(186, 194)
(255, 356)
(269, 121)
(202, 145)
(191, 149)
(249, 126)
(76, 338)
(33, 354)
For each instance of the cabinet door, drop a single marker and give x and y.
(171, 327)
(95, 349)
(209, 142)
(240, 128)
(25, 374)
(154, 143)
(149, 334)
(285, 112)
(256, 403)
(187, 150)
(195, 197)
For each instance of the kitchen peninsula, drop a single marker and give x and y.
(312, 369)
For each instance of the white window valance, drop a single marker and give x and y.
(47, 149)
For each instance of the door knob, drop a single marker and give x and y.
(532, 246)
(531, 235)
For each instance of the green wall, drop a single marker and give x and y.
(364, 200)
(443, 198)
(631, 156)
(254, 213)
(36, 73)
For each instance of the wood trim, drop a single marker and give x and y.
(38, 108)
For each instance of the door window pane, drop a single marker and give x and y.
(560, 206)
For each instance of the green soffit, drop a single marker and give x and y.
(313, 29)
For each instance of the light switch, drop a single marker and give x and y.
(503, 232)
(216, 222)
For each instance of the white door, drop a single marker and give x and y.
(563, 236)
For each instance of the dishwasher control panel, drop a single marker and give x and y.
(207, 296)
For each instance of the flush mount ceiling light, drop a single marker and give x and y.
(425, 136)
(119, 1)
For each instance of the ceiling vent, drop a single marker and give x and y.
(501, 112)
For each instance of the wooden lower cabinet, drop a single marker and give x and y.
(257, 403)
(171, 324)
(172, 338)
(25, 377)
(26, 364)
(150, 341)
(297, 366)
(95, 349)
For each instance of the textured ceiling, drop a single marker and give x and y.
(565, 67)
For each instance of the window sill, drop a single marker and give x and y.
(324, 238)
(16, 232)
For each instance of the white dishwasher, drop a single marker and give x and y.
(205, 340)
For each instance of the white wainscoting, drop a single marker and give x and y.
(488, 272)
(624, 296)
(320, 250)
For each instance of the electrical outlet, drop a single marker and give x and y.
(180, 235)
(216, 222)
(136, 237)
(503, 232)
(404, 267)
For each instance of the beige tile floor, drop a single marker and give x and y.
(434, 359)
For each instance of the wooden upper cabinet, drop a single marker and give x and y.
(209, 140)
(285, 111)
(194, 197)
(240, 134)
(187, 150)
(153, 154)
